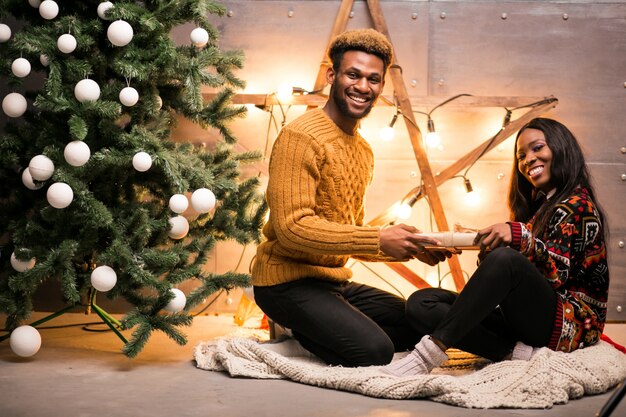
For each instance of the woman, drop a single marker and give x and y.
(543, 279)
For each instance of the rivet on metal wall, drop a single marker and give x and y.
(351, 15)
(619, 309)
(624, 84)
(623, 149)
(290, 13)
(413, 174)
(230, 13)
(503, 16)
(500, 175)
(623, 177)
(414, 83)
(441, 81)
(413, 16)
(620, 243)
(442, 15)
(565, 16)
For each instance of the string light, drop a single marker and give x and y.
(432, 139)
(387, 133)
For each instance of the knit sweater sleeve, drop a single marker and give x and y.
(292, 195)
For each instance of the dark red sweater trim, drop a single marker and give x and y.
(516, 232)
(558, 325)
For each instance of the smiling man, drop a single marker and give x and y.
(320, 168)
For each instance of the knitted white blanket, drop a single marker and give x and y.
(548, 378)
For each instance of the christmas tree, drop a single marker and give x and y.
(93, 191)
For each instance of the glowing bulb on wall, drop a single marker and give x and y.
(472, 197)
(284, 92)
(432, 138)
(387, 133)
(403, 211)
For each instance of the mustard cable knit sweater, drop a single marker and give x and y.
(318, 177)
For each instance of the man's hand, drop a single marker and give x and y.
(493, 236)
(403, 243)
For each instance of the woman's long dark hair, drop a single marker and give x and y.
(568, 171)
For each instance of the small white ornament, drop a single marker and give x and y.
(48, 9)
(14, 105)
(87, 90)
(43, 59)
(20, 67)
(179, 227)
(142, 161)
(199, 37)
(34, 3)
(25, 341)
(202, 200)
(159, 102)
(178, 203)
(129, 96)
(41, 167)
(103, 278)
(176, 304)
(102, 9)
(21, 266)
(27, 179)
(77, 153)
(120, 33)
(5, 33)
(66, 43)
(60, 195)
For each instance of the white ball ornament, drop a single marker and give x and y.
(25, 341)
(179, 227)
(178, 203)
(21, 266)
(41, 167)
(176, 304)
(77, 153)
(34, 3)
(5, 33)
(66, 43)
(103, 278)
(27, 179)
(120, 33)
(159, 102)
(43, 59)
(14, 105)
(60, 195)
(87, 90)
(102, 9)
(199, 37)
(129, 96)
(20, 67)
(48, 9)
(202, 200)
(142, 161)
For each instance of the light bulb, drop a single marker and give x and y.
(472, 198)
(432, 140)
(284, 92)
(387, 134)
(403, 211)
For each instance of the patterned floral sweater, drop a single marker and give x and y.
(572, 255)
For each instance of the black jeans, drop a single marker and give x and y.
(505, 301)
(344, 323)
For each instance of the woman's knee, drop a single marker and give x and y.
(426, 308)
(377, 351)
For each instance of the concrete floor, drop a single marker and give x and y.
(79, 373)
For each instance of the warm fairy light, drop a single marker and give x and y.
(387, 134)
(284, 92)
(473, 199)
(432, 140)
(403, 211)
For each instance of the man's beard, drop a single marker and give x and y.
(343, 107)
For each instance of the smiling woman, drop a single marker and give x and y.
(544, 284)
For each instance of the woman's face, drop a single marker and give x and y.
(534, 159)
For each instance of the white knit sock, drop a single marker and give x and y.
(420, 361)
(521, 352)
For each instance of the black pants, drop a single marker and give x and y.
(345, 323)
(505, 301)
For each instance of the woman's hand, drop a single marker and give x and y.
(494, 236)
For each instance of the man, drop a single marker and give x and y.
(320, 168)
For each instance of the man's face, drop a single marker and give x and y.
(357, 84)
